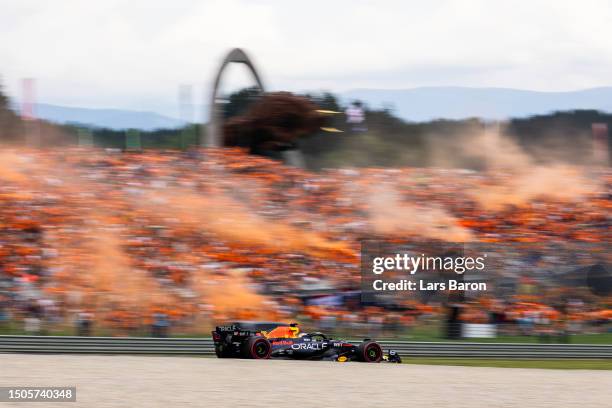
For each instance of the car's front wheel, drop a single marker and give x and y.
(369, 352)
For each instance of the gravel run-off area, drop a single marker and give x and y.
(130, 381)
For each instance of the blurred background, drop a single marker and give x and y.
(155, 181)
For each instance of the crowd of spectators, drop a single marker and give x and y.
(118, 242)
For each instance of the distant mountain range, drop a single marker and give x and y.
(424, 104)
(417, 105)
(107, 118)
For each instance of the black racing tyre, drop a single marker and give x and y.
(256, 347)
(369, 352)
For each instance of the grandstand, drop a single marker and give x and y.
(129, 241)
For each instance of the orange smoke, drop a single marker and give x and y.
(235, 222)
(517, 180)
(230, 295)
(389, 215)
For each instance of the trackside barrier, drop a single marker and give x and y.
(204, 347)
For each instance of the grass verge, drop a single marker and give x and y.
(565, 364)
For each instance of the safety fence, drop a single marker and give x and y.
(204, 347)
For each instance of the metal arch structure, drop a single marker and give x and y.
(215, 123)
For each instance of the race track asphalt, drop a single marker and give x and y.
(147, 381)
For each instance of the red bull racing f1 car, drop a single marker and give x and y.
(262, 340)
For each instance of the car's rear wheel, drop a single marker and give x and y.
(369, 352)
(257, 347)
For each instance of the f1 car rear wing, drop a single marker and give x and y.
(247, 326)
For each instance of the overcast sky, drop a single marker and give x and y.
(135, 53)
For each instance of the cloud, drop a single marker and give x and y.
(135, 54)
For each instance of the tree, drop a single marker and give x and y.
(11, 128)
(4, 102)
(240, 101)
